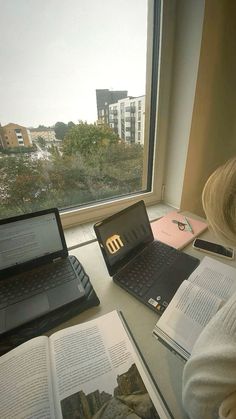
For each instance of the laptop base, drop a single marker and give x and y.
(48, 321)
(34, 293)
(158, 288)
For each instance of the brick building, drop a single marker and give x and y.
(14, 135)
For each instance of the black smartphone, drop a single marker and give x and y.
(214, 248)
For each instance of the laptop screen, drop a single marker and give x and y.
(30, 237)
(123, 235)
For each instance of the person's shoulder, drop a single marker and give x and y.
(209, 375)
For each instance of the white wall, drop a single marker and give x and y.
(187, 44)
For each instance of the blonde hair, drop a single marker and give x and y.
(219, 201)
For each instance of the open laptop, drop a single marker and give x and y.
(36, 273)
(150, 270)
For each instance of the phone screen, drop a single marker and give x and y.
(213, 248)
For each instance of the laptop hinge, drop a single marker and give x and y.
(57, 259)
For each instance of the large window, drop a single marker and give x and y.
(78, 103)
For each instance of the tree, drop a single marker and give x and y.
(93, 164)
(28, 184)
(70, 125)
(88, 139)
(42, 128)
(41, 141)
(60, 130)
(21, 178)
(111, 167)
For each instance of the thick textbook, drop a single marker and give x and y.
(167, 231)
(88, 371)
(194, 304)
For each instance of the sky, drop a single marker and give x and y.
(54, 54)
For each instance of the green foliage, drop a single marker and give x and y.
(53, 149)
(87, 139)
(94, 165)
(42, 128)
(20, 180)
(19, 150)
(70, 125)
(41, 141)
(61, 129)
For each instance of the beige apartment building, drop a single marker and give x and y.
(47, 134)
(14, 135)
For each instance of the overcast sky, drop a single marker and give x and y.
(54, 54)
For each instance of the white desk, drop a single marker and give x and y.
(164, 365)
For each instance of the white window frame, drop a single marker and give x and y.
(98, 210)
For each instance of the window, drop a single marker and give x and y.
(91, 163)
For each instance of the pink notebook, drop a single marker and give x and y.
(167, 231)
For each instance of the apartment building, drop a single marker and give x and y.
(14, 135)
(47, 134)
(104, 98)
(127, 119)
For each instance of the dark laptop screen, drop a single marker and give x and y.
(123, 235)
(30, 238)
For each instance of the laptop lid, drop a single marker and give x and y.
(30, 240)
(123, 235)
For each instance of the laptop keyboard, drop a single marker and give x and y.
(33, 282)
(140, 275)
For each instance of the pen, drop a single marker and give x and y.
(189, 225)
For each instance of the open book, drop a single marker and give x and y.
(194, 304)
(92, 370)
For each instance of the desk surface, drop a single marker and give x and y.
(165, 366)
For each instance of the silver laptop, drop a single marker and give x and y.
(36, 273)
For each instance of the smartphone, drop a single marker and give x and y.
(214, 248)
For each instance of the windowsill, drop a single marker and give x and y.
(84, 233)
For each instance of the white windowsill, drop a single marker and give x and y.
(84, 233)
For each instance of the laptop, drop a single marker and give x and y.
(36, 273)
(148, 269)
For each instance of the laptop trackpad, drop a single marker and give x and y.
(26, 310)
(63, 294)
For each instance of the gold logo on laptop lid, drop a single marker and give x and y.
(114, 243)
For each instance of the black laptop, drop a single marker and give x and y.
(36, 273)
(148, 269)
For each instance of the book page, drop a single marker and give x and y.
(188, 312)
(98, 374)
(26, 388)
(216, 277)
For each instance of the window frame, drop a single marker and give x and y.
(161, 58)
